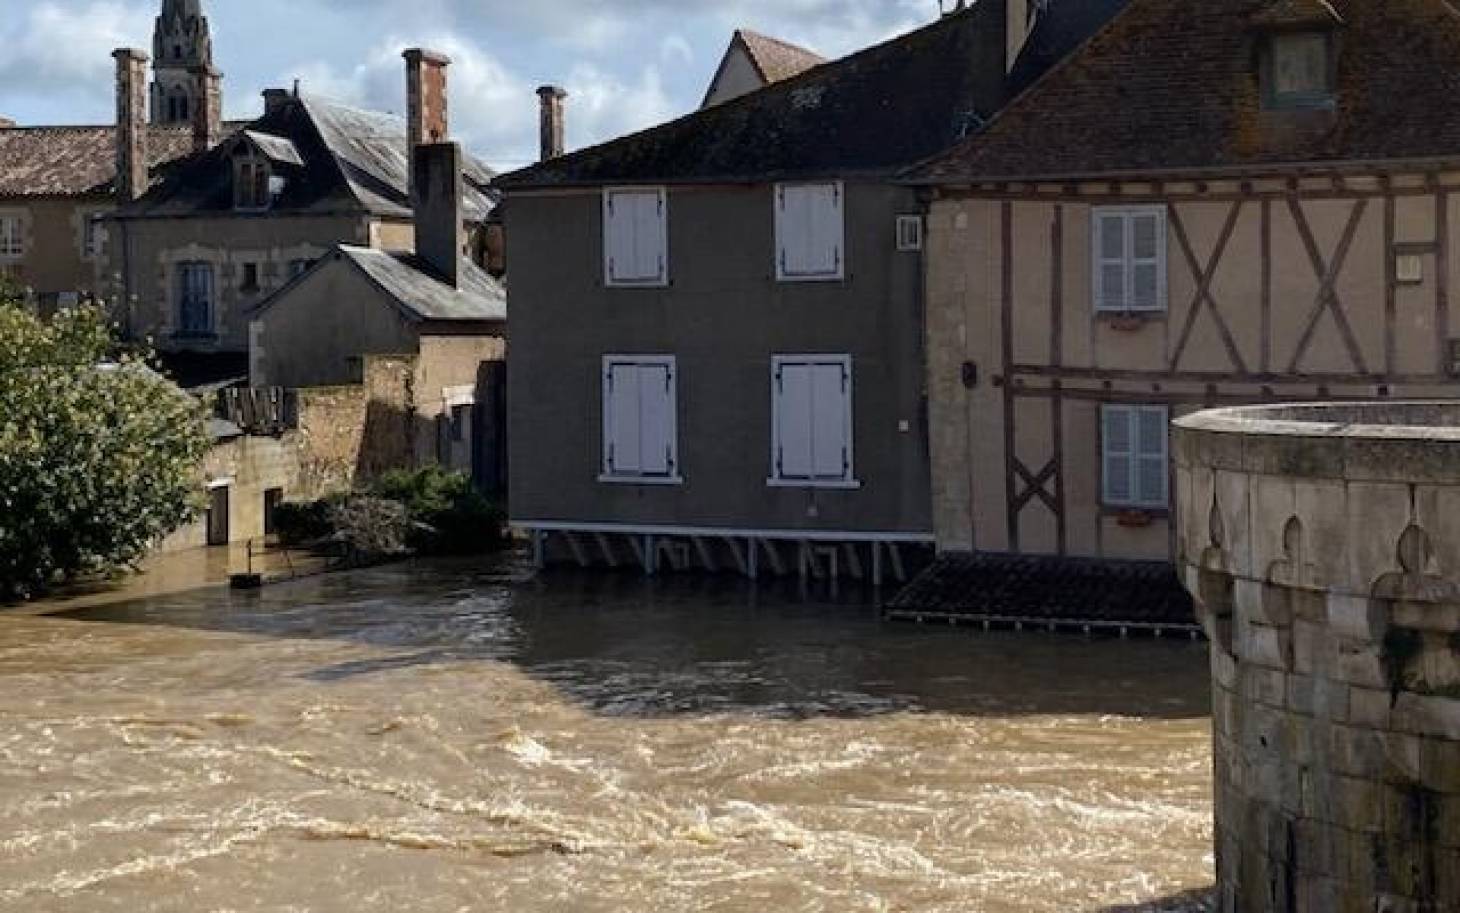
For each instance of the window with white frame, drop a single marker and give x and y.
(1129, 256)
(640, 435)
(811, 414)
(635, 236)
(810, 232)
(1134, 450)
(12, 236)
(909, 233)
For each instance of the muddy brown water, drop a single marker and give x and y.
(456, 737)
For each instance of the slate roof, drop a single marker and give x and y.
(775, 59)
(413, 286)
(871, 114)
(1047, 591)
(1172, 86)
(78, 161)
(352, 160)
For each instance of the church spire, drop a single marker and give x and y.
(181, 47)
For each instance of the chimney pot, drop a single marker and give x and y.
(131, 123)
(440, 236)
(553, 121)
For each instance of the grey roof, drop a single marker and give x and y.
(412, 285)
(275, 148)
(349, 160)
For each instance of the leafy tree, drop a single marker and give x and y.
(99, 454)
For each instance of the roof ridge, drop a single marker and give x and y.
(787, 86)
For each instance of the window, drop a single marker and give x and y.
(1134, 450)
(195, 299)
(635, 237)
(461, 422)
(251, 184)
(640, 438)
(1130, 258)
(810, 233)
(1300, 71)
(272, 499)
(811, 411)
(909, 233)
(94, 237)
(250, 280)
(12, 236)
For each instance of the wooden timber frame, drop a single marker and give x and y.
(878, 559)
(1256, 371)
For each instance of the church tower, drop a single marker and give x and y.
(182, 54)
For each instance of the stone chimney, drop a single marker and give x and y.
(426, 114)
(131, 123)
(553, 129)
(208, 110)
(275, 100)
(440, 237)
(6, 123)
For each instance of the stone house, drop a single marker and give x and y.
(433, 309)
(226, 228)
(56, 183)
(717, 340)
(1210, 203)
(754, 61)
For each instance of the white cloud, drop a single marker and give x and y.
(62, 51)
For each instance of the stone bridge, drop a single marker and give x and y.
(1322, 543)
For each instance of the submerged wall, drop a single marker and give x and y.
(1323, 546)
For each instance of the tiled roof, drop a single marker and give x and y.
(1047, 591)
(351, 160)
(776, 59)
(871, 114)
(1172, 86)
(77, 161)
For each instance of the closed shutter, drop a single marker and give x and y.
(1135, 455)
(813, 432)
(639, 430)
(810, 231)
(1152, 474)
(1129, 258)
(1119, 455)
(829, 421)
(635, 237)
(795, 458)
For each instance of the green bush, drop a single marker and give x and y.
(454, 518)
(303, 523)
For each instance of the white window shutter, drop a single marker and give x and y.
(635, 236)
(795, 457)
(655, 420)
(1110, 261)
(623, 438)
(1118, 446)
(830, 447)
(810, 231)
(1147, 237)
(1152, 474)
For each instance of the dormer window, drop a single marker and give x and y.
(253, 184)
(1299, 71)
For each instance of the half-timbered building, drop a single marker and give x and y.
(1209, 203)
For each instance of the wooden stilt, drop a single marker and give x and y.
(579, 555)
(606, 547)
(707, 557)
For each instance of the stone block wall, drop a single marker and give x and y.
(1323, 546)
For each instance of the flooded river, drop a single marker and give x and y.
(454, 738)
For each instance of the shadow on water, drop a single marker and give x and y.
(1204, 901)
(622, 645)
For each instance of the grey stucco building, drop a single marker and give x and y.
(717, 324)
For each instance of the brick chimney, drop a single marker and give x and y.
(426, 114)
(553, 122)
(131, 123)
(208, 111)
(436, 179)
(275, 100)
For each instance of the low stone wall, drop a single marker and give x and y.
(1322, 544)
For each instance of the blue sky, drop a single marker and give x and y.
(627, 64)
